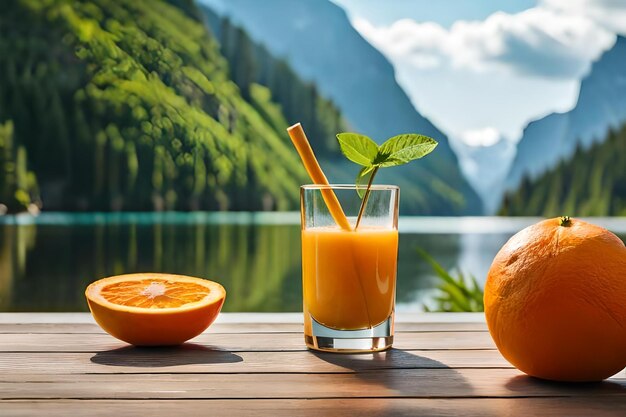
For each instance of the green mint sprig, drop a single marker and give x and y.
(395, 151)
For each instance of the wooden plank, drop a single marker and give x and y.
(394, 383)
(198, 359)
(584, 406)
(28, 342)
(260, 369)
(82, 328)
(238, 318)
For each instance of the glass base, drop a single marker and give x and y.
(325, 339)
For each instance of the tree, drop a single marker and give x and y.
(18, 185)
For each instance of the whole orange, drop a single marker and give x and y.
(555, 301)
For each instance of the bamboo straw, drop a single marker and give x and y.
(311, 165)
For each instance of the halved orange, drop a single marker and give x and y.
(151, 309)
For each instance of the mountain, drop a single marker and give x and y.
(601, 106)
(129, 105)
(485, 167)
(318, 41)
(591, 182)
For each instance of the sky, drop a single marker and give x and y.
(482, 69)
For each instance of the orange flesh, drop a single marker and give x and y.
(153, 293)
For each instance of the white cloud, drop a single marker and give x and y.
(487, 136)
(610, 14)
(537, 42)
(501, 72)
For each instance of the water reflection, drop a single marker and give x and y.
(46, 267)
(45, 264)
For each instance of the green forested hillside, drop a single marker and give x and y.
(128, 105)
(251, 63)
(591, 183)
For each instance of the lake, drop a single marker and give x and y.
(47, 261)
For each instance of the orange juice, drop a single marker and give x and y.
(349, 277)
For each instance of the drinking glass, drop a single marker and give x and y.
(349, 276)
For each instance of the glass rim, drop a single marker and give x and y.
(374, 187)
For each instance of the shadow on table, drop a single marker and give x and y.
(156, 357)
(413, 374)
(389, 359)
(524, 383)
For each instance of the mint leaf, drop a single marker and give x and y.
(358, 148)
(397, 150)
(404, 148)
(362, 180)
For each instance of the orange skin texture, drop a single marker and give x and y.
(155, 327)
(555, 301)
(149, 329)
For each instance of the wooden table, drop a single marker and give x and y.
(256, 365)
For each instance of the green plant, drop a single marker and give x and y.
(457, 294)
(395, 151)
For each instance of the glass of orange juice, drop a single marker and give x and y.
(349, 276)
